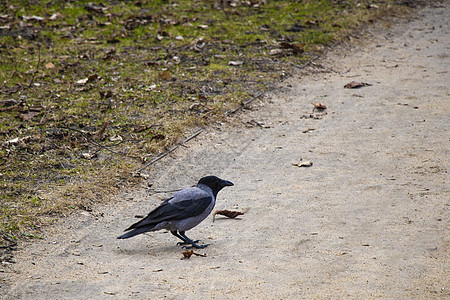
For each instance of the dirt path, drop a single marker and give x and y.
(368, 220)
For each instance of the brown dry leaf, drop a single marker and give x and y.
(306, 163)
(227, 213)
(355, 85)
(49, 66)
(311, 23)
(188, 254)
(105, 95)
(91, 78)
(319, 106)
(30, 112)
(296, 48)
(165, 75)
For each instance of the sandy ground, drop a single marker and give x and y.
(369, 219)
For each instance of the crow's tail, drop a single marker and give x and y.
(135, 231)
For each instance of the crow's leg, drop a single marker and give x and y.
(188, 241)
(184, 238)
(185, 242)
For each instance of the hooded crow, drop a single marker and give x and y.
(183, 211)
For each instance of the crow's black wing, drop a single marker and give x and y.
(184, 204)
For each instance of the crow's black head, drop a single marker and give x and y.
(215, 183)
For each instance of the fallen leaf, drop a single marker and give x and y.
(227, 213)
(306, 163)
(319, 106)
(107, 94)
(56, 15)
(264, 27)
(355, 85)
(116, 138)
(296, 48)
(88, 155)
(82, 81)
(49, 66)
(275, 52)
(165, 75)
(188, 254)
(30, 113)
(91, 78)
(311, 23)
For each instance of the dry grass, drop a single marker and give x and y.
(89, 93)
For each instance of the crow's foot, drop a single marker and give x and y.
(194, 245)
(187, 243)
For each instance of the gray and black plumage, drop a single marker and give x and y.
(183, 211)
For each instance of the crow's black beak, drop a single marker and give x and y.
(227, 183)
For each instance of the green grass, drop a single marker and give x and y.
(156, 73)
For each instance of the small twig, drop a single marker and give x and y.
(37, 67)
(102, 130)
(243, 104)
(168, 152)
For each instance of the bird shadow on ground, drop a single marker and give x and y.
(147, 244)
(146, 250)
